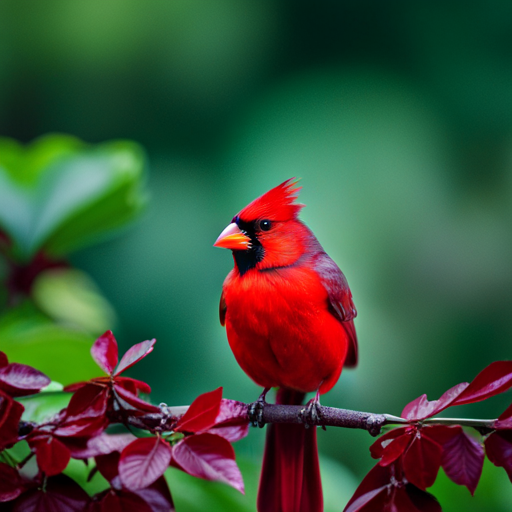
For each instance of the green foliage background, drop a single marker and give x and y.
(397, 117)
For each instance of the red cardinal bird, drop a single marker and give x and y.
(289, 314)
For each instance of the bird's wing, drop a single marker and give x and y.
(222, 309)
(340, 301)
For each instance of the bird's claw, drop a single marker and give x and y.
(255, 411)
(311, 415)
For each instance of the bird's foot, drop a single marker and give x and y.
(255, 411)
(311, 415)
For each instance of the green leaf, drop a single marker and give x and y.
(62, 353)
(52, 387)
(25, 164)
(60, 194)
(107, 190)
(70, 297)
(17, 453)
(43, 406)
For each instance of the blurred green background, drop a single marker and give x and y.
(397, 117)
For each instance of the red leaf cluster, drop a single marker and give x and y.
(420, 451)
(198, 442)
(19, 379)
(411, 456)
(15, 380)
(498, 445)
(492, 380)
(200, 452)
(386, 489)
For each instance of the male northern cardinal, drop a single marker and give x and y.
(289, 314)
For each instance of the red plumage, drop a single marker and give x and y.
(289, 314)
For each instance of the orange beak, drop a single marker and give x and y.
(233, 238)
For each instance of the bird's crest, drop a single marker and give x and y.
(276, 204)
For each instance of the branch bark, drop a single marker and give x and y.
(324, 417)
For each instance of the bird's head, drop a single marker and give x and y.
(267, 232)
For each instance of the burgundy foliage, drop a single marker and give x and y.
(463, 459)
(492, 380)
(60, 493)
(19, 379)
(498, 447)
(11, 483)
(411, 456)
(231, 422)
(202, 413)
(196, 442)
(210, 457)
(385, 489)
(10, 416)
(143, 461)
(199, 442)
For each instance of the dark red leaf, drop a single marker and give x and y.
(71, 388)
(498, 447)
(503, 424)
(133, 385)
(123, 501)
(231, 434)
(372, 490)
(80, 427)
(422, 460)
(504, 419)
(10, 416)
(90, 400)
(375, 500)
(507, 413)
(158, 496)
(377, 448)
(108, 465)
(102, 445)
(104, 351)
(61, 494)
(134, 401)
(231, 412)
(202, 413)
(135, 354)
(421, 500)
(441, 434)
(385, 490)
(396, 501)
(52, 455)
(210, 457)
(421, 408)
(74, 444)
(86, 414)
(20, 380)
(3, 359)
(492, 380)
(11, 484)
(396, 448)
(232, 422)
(463, 460)
(143, 461)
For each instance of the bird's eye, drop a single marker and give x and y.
(265, 225)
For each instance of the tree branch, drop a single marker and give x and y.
(326, 417)
(296, 414)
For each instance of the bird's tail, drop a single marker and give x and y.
(290, 476)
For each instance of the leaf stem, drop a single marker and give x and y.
(479, 424)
